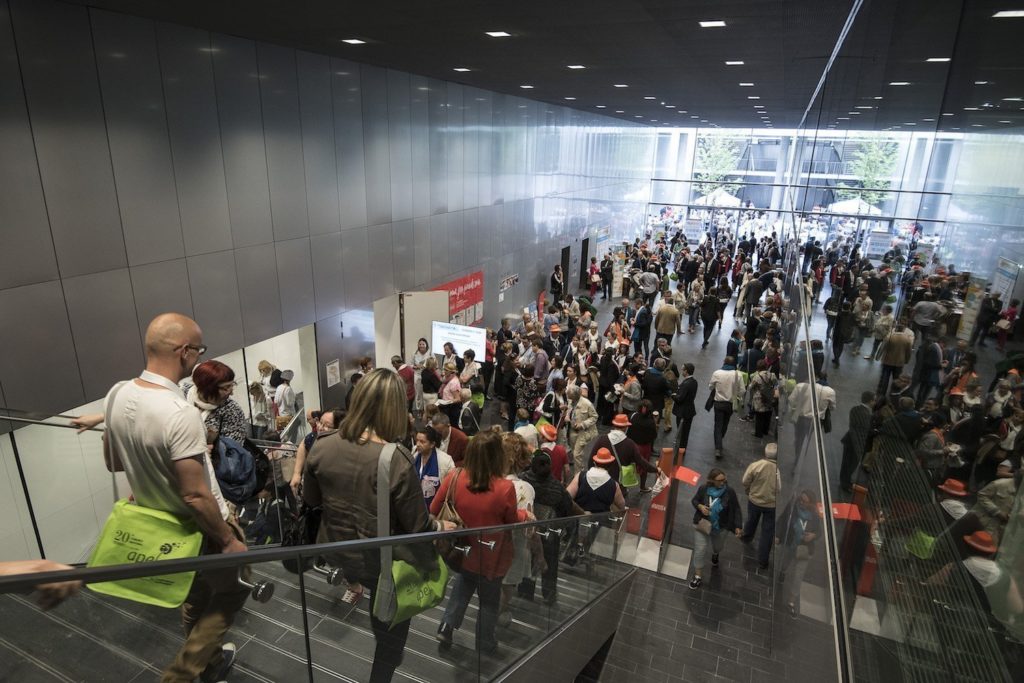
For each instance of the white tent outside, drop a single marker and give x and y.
(718, 197)
(856, 207)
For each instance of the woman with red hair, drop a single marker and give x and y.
(213, 384)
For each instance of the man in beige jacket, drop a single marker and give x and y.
(761, 482)
(666, 320)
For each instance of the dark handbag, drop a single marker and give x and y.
(826, 421)
(302, 530)
(710, 403)
(446, 546)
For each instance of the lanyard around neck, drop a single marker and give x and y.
(160, 380)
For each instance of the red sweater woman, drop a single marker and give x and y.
(482, 497)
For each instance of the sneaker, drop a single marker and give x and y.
(504, 618)
(220, 674)
(695, 583)
(714, 560)
(867, 356)
(718, 454)
(444, 633)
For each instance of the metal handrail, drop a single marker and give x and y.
(26, 582)
(265, 445)
(26, 420)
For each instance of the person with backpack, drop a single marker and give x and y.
(762, 398)
(551, 501)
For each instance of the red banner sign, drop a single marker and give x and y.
(465, 299)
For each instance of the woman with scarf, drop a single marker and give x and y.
(800, 527)
(717, 514)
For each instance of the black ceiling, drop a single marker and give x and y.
(659, 50)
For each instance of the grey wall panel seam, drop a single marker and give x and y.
(223, 159)
(35, 151)
(266, 161)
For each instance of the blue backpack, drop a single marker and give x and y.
(235, 468)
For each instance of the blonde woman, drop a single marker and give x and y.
(261, 414)
(341, 476)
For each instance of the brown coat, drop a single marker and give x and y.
(666, 321)
(898, 347)
(457, 445)
(342, 477)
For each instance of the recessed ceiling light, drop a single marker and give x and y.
(909, 123)
(948, 114)
(354, 41)
(570, 98)
(600, 106)
(619, 111)
(703, 120)
(650, 98)
(746, 85)
(976, 125)
(980, 82)
(1012, 99)
(842, 118)
(637, 116)
(1009, 14)
(927, 119)
(670, 106)
(526, 87)
(576, 66)
(878, 97)
(1004, 122)
(681, 111)
(620, 85)
(460, 69)
(712, 24)
(896, 83)
(694, 116)
(972, 108)
(753, 97)
(937, 59)
(854, 113)
(499, 34)
(654, 120)
(735, 62)
(758, 106)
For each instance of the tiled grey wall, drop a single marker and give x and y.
(146, 166)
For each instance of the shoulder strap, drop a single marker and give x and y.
(109, 412)
(384, 503)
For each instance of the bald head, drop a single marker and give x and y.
(168, 332)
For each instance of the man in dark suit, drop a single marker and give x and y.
(855, 440)
(683, 407)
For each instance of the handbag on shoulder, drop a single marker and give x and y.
(446, 546)
(403, 590)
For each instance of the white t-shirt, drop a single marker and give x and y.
(149, 429)
(524, 492)
(284, 397)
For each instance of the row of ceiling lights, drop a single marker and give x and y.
(716, 23)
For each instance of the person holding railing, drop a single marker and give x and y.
(158, 439)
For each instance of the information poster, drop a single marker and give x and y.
(617, 270)
(877, 244)
(333, 373)
(465, 299)
(1004, 279)
(693, 231)
(972, 304)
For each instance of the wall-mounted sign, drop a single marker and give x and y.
(333, 373)
(508, 282)
(465, 298)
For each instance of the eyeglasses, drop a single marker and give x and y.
(227, 386)
(200, 350)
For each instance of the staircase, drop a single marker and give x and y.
(97, 638)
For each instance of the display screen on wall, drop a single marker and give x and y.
(465, 299)
(462, 337)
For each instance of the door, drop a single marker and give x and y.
(584, 264)
(566, 257)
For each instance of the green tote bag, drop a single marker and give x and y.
(403, 590)
(135, 534)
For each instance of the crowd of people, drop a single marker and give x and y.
(574, 410)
